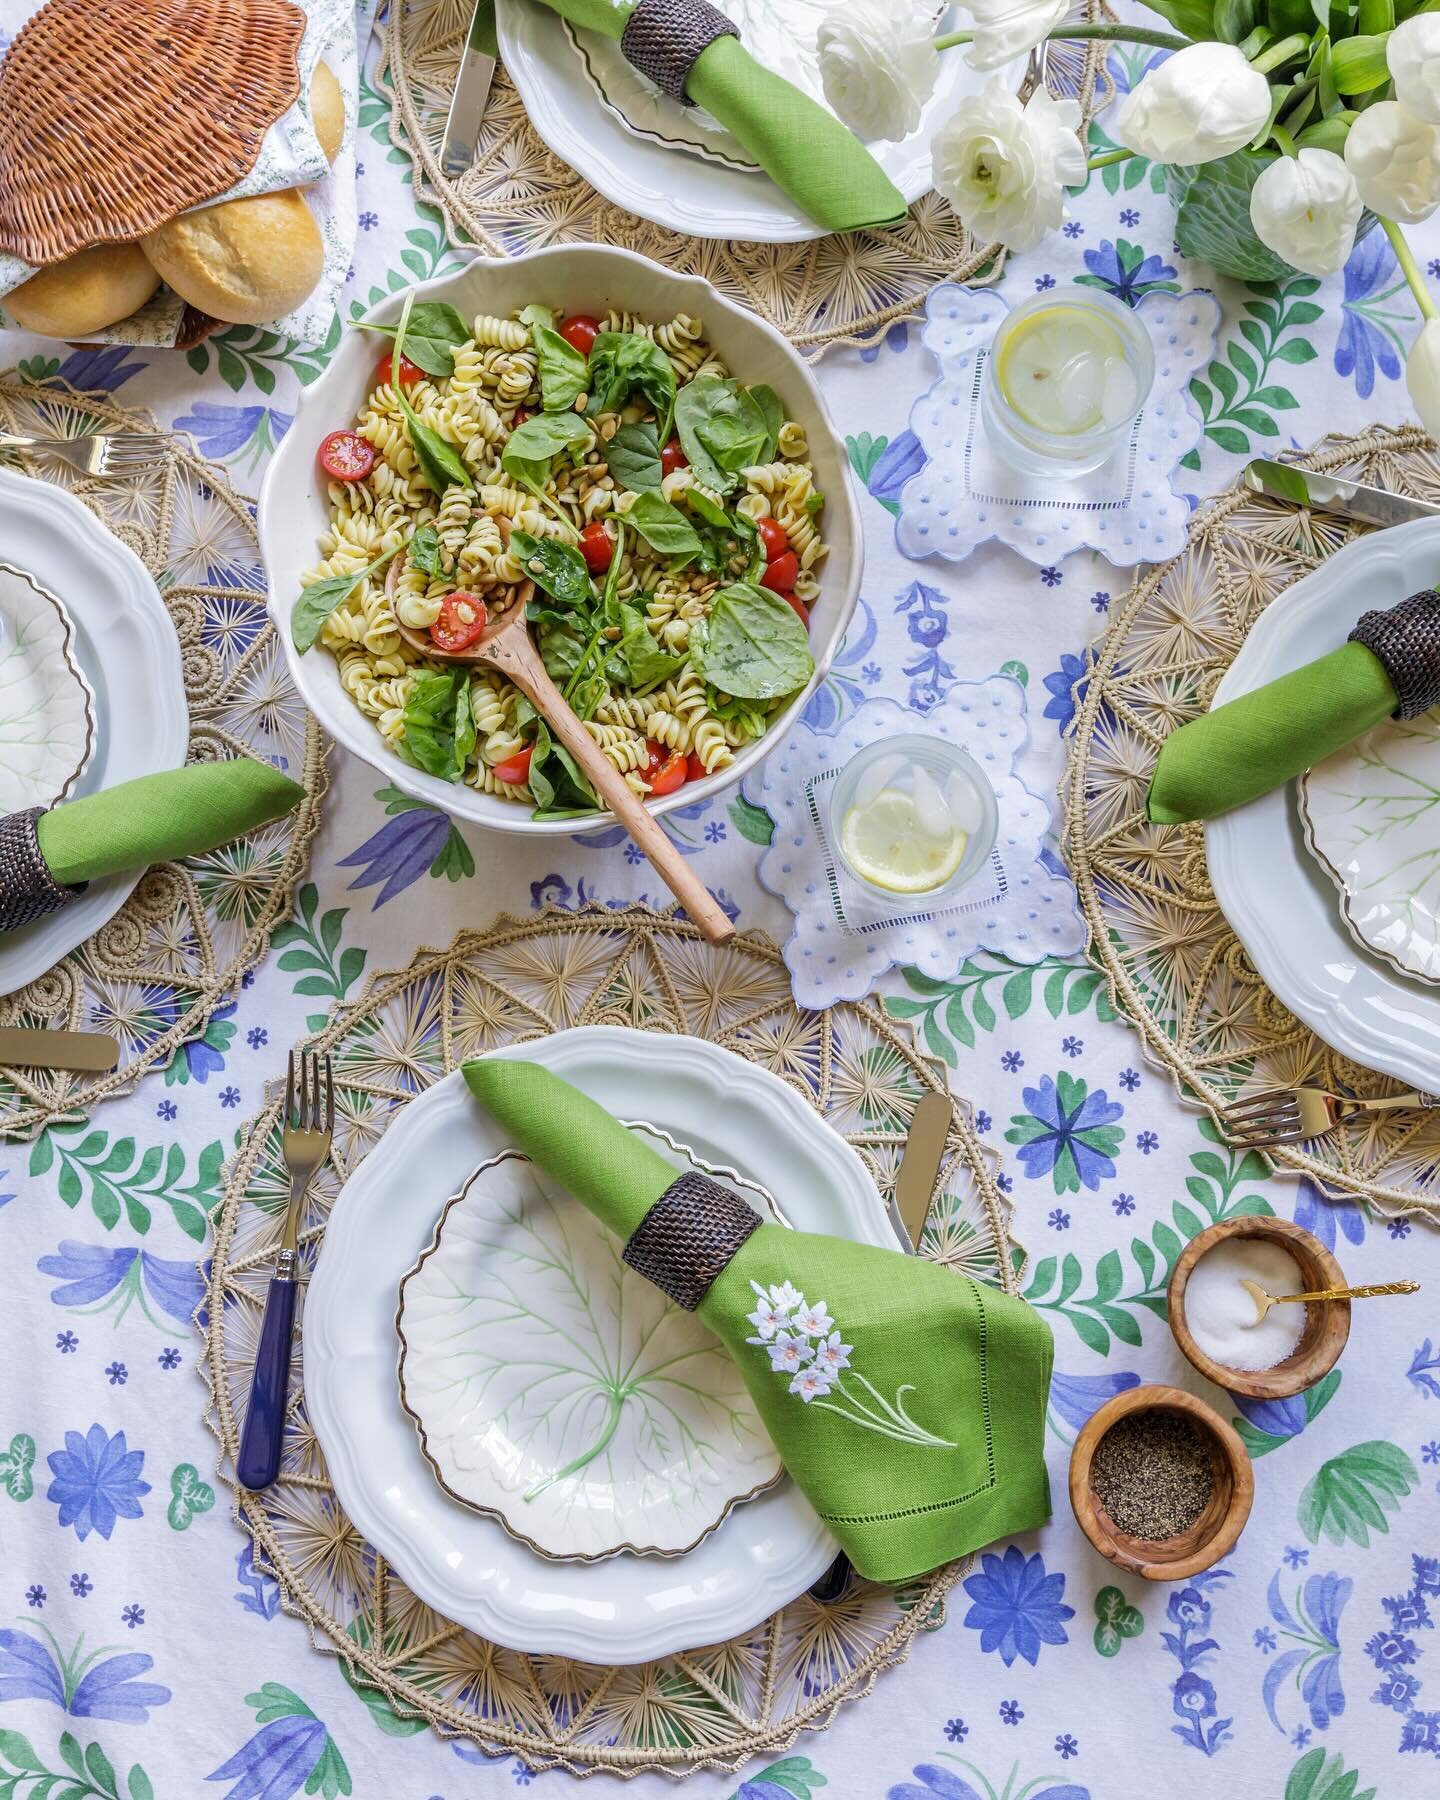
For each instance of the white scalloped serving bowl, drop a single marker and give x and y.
(294, 508)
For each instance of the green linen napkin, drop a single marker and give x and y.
(805, 150)
(1243, 749)
(180, 812)
(906, 1401)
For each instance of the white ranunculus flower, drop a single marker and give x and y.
(1197, 106)
(1422, 376)
(1306, 208)
(878, 63)
(1005, 168)
(1413, 53)
(1394, 156)
(1005, 29)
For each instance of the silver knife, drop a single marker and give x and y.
(919, 1170)
(1330, 493)
(472, 90)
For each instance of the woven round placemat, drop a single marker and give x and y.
(712, 1708)
(157, 971)
(114, 118)
(517, 196)
(1176, 970)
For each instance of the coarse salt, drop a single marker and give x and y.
(1221, 1313)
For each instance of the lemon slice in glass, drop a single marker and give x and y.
(886, 843)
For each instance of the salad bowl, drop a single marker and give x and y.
(295, 508)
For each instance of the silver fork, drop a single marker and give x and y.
(1291, 1115)
(101, 453)
(305, 1143)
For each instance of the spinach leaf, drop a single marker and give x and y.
(645, 663)
(725, 428)
(531, 446)
(555, 567)
(440, 462)
(694, 405)
(557, 785)
(319, 600)
(535, 314)
(634, 458)
(563, 372)
(622, 364)
(700, 502)
(773, 413)
(439, 725)
(434, 332)
(663, 526)
(749, 534)
(424, 550)
(751, 644)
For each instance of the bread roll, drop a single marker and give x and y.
(85, 293)
(244, 261)
(327, 110)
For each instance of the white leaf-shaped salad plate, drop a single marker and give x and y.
(560, 1391)
(47, 718)
(464, 1564)
(1372, 817)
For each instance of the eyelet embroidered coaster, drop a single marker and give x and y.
(1126, 509)
(1021, 905)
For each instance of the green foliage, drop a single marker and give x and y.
(951, 1012)
(39, 368)
(1116, 1620)
(86, 1774)
(381, 1712)
(309, 948)
(752, 822)
(1238, 399)
(16, 1464)
(1320, 1777)
(453, 860)
(251, 353)
(1350, 1494)
(125, 1180)
(1016, 671)
(1212, 220)
(864, 452)
(1316, 1399)
(329, 1778)
(796, 1775)
(189, 1496)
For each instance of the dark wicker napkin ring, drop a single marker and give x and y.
(689, 1237)
(663, 39)
(27, 888)
(1406, 641)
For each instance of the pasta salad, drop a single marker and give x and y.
(657, 518)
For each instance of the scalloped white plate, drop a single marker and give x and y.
(625, 1609)
(1277, 895)
(47, 719)
(560, 1392)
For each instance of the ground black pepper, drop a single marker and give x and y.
(1152, 1474)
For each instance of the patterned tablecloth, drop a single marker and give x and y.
(133, 1621)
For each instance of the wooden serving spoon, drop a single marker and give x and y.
(508, 646)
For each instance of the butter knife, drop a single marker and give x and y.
(1330, 493)
(472, 91)
(91, 1051)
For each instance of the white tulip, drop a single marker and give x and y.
(1197, 106)
(1005, 168)
(878, 64)
(1306, 208)
(1422, 376)
(1395, 159)
(1413, 53)
(1005, 29)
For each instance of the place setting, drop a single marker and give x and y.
(555, 553)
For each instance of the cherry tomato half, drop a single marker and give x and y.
(782, 574)
(346, 456)
(799, 608)
(516, 768)
(580, 332)
(695, 770)
(666, 769)
(597, 547)
(773, 537)
(461, 622)
(672, 457)
(410, 372)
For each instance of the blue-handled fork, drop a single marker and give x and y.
(305, 1143)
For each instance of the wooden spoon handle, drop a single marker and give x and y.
(529, 674)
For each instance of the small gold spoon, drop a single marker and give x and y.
(1264, 1301)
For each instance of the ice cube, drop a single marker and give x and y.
(876, 779)
(930, 807)
(963, 802)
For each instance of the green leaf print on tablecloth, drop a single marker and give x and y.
(251, 353)
(795, 1775)
(16, 1465)
(309, 950)
(381, 1712)
(1116, 1620)
(1350, 1494)
(91, 1775)
(951, 1012)
(1238, 400)
(1320, 1777)
(124, 1179)
(1312, 1402)
(189, 1496)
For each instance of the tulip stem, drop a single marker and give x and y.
(1279, 53)
(1120, 34)
(1410, 269)
(1110, 156)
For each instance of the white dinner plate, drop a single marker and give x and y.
(47, 713)
(626, 1609)
(126, 649)
(1281, 901)
(672, 165)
